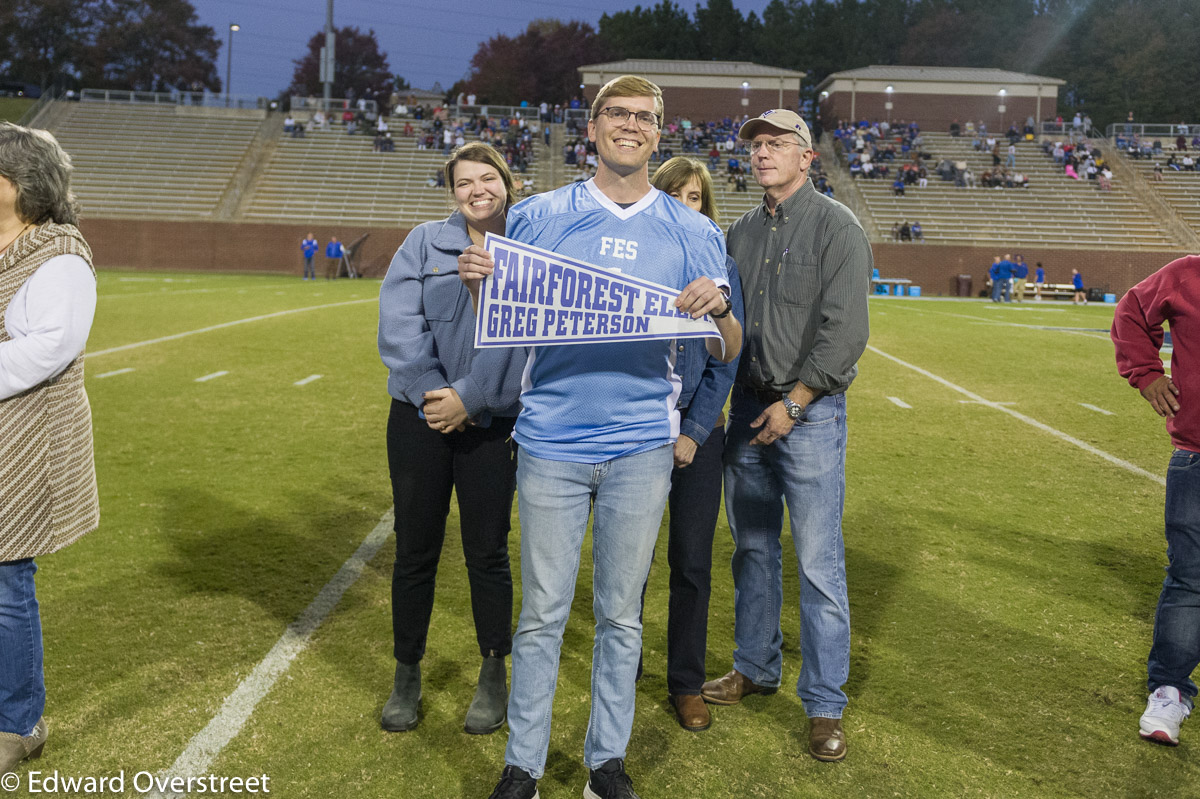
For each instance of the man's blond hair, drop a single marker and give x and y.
(629, 86)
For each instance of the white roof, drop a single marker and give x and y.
(658, 66)
(940, 75)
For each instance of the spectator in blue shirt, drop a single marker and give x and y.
(1020, 273)
(309, 247)
(1001, 274)
(1005, 270)
(1039, 277)
(333, 258)
(917, 233)
(1077, 282)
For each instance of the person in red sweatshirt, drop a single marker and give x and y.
(1171, 295)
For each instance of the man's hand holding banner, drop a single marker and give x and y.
(535, 297)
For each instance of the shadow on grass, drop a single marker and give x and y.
(277, 563)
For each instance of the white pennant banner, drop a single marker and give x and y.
(535, 297)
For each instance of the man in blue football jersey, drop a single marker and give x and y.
(596, 432)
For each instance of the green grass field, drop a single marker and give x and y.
(13, 108)
(1002, 579)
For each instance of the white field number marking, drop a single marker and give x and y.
(213, 376)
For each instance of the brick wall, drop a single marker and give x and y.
(713, 104)
(234, 247)
(228, 246)
(935, 268)
(935, 112)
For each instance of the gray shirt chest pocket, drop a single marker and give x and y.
(796, 281)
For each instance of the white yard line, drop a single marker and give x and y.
(224, 325)
(307, 380)
(899, 402)
(213, 376)
(1086, 447)
(172, 292)
(197, 758)
(1091, 407)
(116, 372)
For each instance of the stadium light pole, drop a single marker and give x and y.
(1002, 109)
(328, 57)
(233, 28)
(888, 104)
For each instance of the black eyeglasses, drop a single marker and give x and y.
(645, 119)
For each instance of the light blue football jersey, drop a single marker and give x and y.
(590, 403)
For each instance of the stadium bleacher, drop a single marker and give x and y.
(1053, 210)
(153, 161)
(178, 163)
(334, 177)
(1179, 189)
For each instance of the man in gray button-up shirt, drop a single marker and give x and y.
(806, 266)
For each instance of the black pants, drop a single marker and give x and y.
(480, 465)
(695, 502)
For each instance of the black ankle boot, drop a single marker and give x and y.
(486, 714)
(401, 711)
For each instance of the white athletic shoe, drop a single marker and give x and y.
(1165, 711)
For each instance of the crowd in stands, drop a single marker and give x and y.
(882, 150)
(903, 231)
(1082, 161)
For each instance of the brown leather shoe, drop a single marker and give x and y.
(730, 689)
(826, 741)
(691, 712)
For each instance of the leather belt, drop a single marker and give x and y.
(764, 395)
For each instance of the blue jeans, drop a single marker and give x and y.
(22, 684)
(555, 499)
(1176, 649)
(807, 468)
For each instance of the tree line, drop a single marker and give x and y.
(1116, 56)
(148, 45)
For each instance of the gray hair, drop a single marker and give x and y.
(40, 169)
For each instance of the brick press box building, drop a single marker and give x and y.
(937, 96)
(704, 90)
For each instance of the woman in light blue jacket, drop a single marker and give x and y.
(449, 429)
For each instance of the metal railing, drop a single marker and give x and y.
(335, 104)
(1152, 130)
(194, 99)
(528, 112)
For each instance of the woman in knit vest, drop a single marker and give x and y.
(47, 475)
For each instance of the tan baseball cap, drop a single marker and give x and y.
(777, 120)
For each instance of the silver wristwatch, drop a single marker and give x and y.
(794, 409)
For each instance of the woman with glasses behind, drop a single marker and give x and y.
(695, 498)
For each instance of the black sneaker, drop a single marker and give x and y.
(610, 782)
(515, 783)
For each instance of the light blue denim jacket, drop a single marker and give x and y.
(427, 328)
(706, 381)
